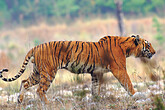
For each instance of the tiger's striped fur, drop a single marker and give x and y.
(107, 55)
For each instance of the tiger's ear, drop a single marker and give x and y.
(136, 40)
(133, 36)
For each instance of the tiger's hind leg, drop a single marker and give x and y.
(31, 81)
(44, 84)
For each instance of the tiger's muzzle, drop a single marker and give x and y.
(147, 53)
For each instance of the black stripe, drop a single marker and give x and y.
(69, 52)
(25, 63)
(91, 51)
(112, 53)
(28, 82)
(11, 79)
(93, 68)
(78, 55)
(68, 46)
(54, 43)
(22, 70)
(4, 79)
(109, 37)
(67, 55)
(59, 43)
(115, 41)
(89, 68)
(60, 51)
(94, 78)
(79, 70)
(52, 54)
(35, 80)
(29, 57)
(105, 37)
(72, 65)
(35, 70)
(96, 46)
(99, 43)
(67, 64)
(46, 45)
(125, 40)
(42, 46)
(17, 76)
(55, 47)
(61, 63)
(80, 51)
(77, 61)
(97, 52)
(120, 47)
(31, 80)
(77, 46)
(52, 75)
(102, 43)
(93, 65)
(68, 60)
(86, 61)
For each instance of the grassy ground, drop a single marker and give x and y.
(113, 96)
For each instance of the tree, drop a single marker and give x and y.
(120, 17)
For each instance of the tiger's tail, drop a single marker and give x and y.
(27, 58)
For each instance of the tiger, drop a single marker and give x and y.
(96, 58)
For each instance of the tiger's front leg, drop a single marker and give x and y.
(96, 83)
(124, 79)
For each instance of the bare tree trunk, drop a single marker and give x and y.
(120, 17)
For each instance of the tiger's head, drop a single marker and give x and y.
(143, 47)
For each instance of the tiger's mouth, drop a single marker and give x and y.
(147, 54)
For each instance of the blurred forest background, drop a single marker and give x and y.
(27, 23)
(18, 12)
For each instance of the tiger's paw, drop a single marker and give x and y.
(139, 95)
(20, 99)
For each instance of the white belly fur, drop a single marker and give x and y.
(101, 70)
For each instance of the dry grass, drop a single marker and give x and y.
(75, 93)
(111, 98)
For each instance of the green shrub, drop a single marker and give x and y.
(36, 41)
(159, 31)
(159, 103)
